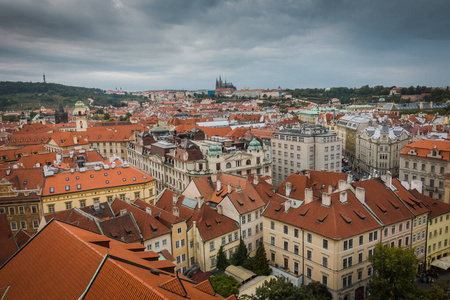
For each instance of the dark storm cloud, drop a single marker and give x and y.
(142, 44)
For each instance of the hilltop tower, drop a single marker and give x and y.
(43, 77)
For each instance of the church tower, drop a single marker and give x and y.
(80, 116)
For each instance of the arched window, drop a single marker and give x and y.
(228, 165)
(248, 162)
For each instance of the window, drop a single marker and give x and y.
(243, 220)
(286, 246)
(285, 229)
(164, 242)
(296, 232)
(213, 261)
(361, 239)
(52, 190)
(235, 236)
(325, 261)
(35, 224)
(348, 244)
(249, 233)
(21, 210)
(325, 244)
(249, 218)
(13, 225)
(308, 254)
(272, 225)
(370, 252)
(272, 240)
(179, 230)
(67, 187)
(386, 232)
(407, 225)
(12, 211)
(211, 246)
(347, 262)
(369, 271)
(82, 203)
(244, 234)
(23, 224)
(324, 280)
(68, 205)
(360, 257)
(156, 245)
(400, 227)
(393, 229)
(308, 272)
(296, 249)
(51, 208)
(272, 256)
(346, 281)
(223, 240)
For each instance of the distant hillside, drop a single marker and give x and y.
(32, 95)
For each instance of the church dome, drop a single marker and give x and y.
(79, 104)
(215, 150)
(254, 145)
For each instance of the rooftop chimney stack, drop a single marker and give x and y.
(148, 210)
(174, 199)
(229, 188)
(176, 211)
(308, 195)
(326, 199)
(343, 197)
(288, 188)
(361, 194)
(219, 185)
(255, 179)
(342, 184)
(287, 205)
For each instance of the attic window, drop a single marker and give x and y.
(154, 229)
(124, 179)
(78, 177)
(92, 176)
(78, 186)
(304, 212)
(107, 181)
(67, 187)
(346, 218)
(360, 214)
(382, 208)
(25, 182)
(278, 209)
(144, 177)
(393, 204)
(118, 172)
(240, 203)
(52, 190)
(218, 221)
(134, 178)
(106, 174)
(322, 218)
(67, 178)
(251, 199)
(208, 225)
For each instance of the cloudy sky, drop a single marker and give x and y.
(187, 44)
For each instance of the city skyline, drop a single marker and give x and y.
(141, 45)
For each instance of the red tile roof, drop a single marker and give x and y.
(92, 179)
(338, 221)
(414, 204)
(22, 237)
(423, 148)
(436, 207)
(383, 201)
(9, 246)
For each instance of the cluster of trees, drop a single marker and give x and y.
(259, 264)
(31, 95)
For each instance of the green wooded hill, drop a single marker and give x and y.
(32, 95)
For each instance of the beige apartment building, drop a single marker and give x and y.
(426, 160)
(379, 149)
(312, 147)
(327, 239)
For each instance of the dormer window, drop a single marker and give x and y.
(67, 178)
(67, 187)
(78, 186)
(52, 190)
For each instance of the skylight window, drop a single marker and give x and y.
(78, 186)
(25, 182)
(134, 178)
(92, 175)
(106, 174)
(107, 181)
(124, 179)
(67, 178)
(67, 187)
(52, 190)
(78, 177)
(118, 172)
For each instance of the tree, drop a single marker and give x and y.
(394, 272)
(260, 262)
(222, 261)
(439, 291)
(225, 285)
(240, 255)
(316, 290)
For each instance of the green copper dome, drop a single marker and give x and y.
(215, 150)
(254, 145)
(79, 104)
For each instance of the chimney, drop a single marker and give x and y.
(330, 189)
(148, 210)
(174, 199)
(326, 199)
(213, 178)
(176, 211)
(349, 178)
(200, 201)
(255, 179)
(417, 184)
(342, 184)
(238, 189)
(288, 188)
(343, 197)
(229, 188)
(308, 195)
(308, 174)
(389, 179)
(219, 185)
(361, 194)
(220, 209)
(287, 205)
(8, 171)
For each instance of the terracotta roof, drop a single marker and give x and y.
(121, 228)
(206, 287)
(338, 221)
(423, 148)
(30, 178)
(165, 202)
(383, 201)
(166, 255)
(211, 224)
(63, 183)
(74, 217)
(204, 186)
(165, 217)
(22, 237)
(67, 139)
(121, 133)
(28, 139)
(89, 265)
(436, 207)
(266, 192)
(149, 226)
(9, 246)
(245, 200)
(414, 204)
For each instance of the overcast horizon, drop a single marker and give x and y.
(143, 45)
